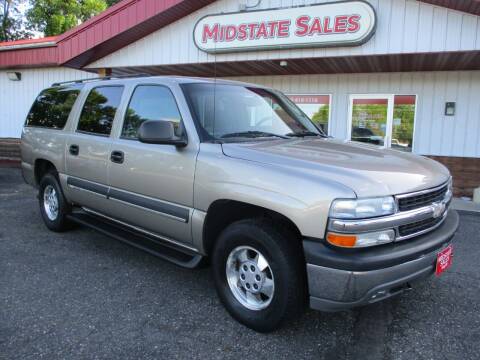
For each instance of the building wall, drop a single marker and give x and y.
(16, 97)
(435, 133)
(465, 173)
(404, 26)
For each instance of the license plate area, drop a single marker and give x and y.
(444, 260)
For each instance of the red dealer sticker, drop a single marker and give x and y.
(444, 260)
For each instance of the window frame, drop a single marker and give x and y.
(116, 111)
(351, 96)
(132, 93)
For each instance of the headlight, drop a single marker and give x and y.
(362, 208)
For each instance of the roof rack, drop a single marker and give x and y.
(100, 79)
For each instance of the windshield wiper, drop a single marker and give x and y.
(252, 134)
(303, 134)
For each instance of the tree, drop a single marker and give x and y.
(11, 24)
(53, 17)
(112, 2)
(321, 117)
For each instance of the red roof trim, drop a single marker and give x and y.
(100, 17)
(48, 39)
(116, 27)
(120, 25)
(28, 58)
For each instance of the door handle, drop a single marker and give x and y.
(74, 150)
(117, 157)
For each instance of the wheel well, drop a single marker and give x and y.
(222, 213)
(42, 167)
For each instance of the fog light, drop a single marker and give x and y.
(361, 240)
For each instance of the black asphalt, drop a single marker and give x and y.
(83, 295)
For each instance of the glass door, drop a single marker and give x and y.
(371, 119)
(403, 122)
(383, 120)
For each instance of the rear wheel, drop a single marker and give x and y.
(53, 205)
(259, 274)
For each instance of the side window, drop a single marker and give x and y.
(52, 107)
(99, 110)
(150, 102)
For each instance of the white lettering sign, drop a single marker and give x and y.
(345, 23)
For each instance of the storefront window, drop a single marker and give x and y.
(384, 120)
(403, 121)
(316, 107)
(369, 120)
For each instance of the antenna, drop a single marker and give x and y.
(214, 88)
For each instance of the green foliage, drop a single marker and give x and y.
(404, 131)
(52, 107)
(53, 17)
(97, 114)
(321, 117)
(11, 21)
(374, 116)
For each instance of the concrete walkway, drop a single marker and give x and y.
(465, 205)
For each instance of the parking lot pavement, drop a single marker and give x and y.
(83, 295)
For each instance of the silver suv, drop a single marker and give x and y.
(234, 174)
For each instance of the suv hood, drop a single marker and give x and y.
(366, 169)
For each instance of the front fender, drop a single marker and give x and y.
(305, 200)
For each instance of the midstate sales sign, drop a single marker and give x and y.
(344, 23)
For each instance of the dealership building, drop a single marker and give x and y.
(403, 74)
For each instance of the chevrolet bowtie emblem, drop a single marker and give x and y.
(438, 209)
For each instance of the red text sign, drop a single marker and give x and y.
(341, 24)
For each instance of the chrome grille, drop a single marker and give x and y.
(418, 226)
(421, 199)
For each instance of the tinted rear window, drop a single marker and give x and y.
(99, 110)
(52, 107)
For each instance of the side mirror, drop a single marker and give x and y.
(160, 132)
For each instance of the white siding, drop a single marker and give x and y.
(435, 133)
(404, 26)
(16, 97)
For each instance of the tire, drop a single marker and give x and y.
(54, 220)
(237, 246)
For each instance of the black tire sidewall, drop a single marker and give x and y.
(286, 272)
(60, 223)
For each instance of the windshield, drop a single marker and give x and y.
(231, 112)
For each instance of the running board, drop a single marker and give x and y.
(162, 249)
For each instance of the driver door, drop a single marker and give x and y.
(151, 185)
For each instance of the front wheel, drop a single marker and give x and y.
(259, 274)
(53, 205)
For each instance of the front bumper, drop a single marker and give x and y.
(339, 279)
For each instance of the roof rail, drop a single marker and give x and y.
(100, 79)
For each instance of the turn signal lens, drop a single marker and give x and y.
(342, 240)
(361, 240)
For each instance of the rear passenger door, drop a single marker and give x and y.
(152, 184)
(88, 148)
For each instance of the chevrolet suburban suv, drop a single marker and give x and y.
(236, 176)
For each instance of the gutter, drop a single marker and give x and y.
(28, 46)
